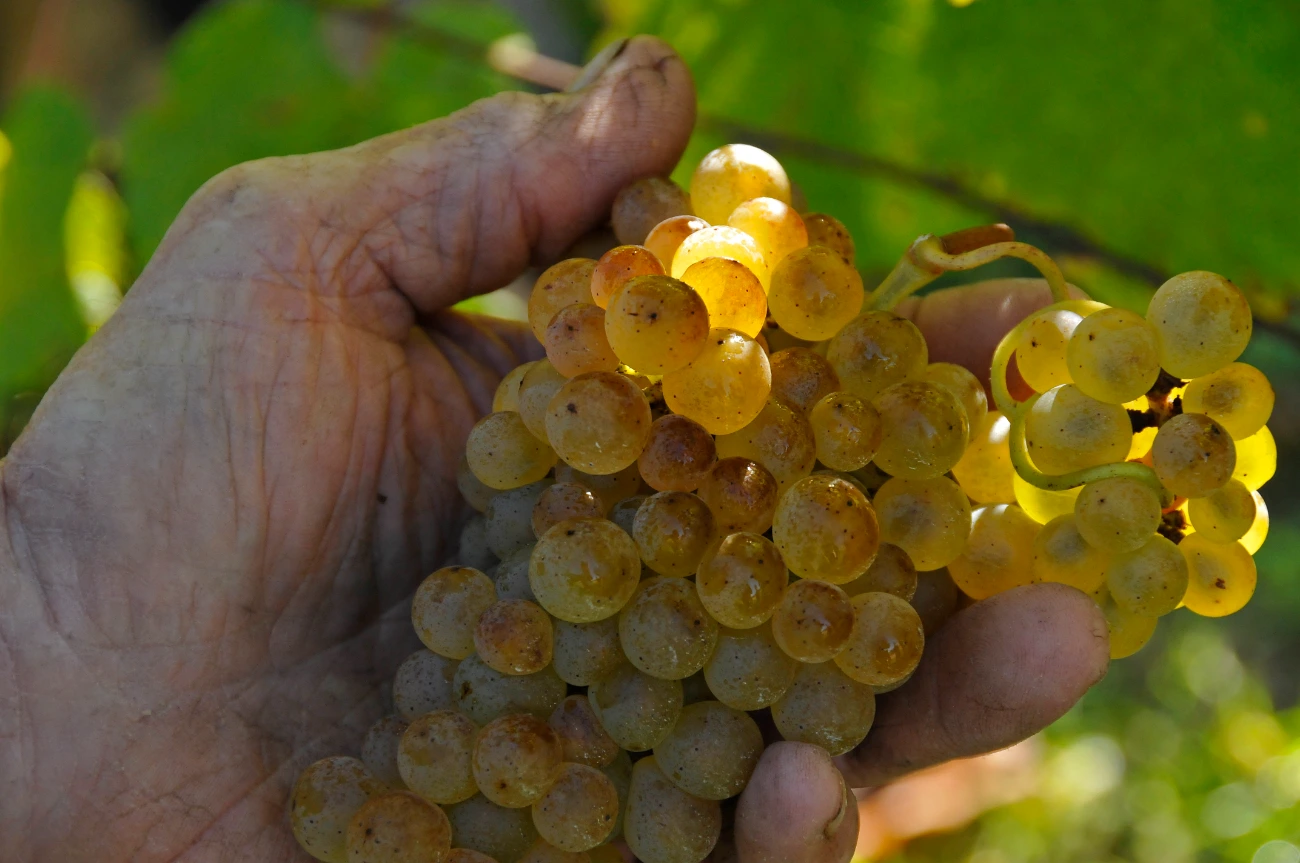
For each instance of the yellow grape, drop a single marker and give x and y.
(506, 397)
(665, 237)
(483, 694)
(721, 241)
(538, 386)
(748, 669)
(891, 572)
(826, 529)
(1256, 459)
(779, 439)
(887, 640)
(813, 293)
(773, 224)
(723, 388)
(617, 267)
(733, 295)
(502, 834)
(672, 529)
(711, 751)
(927, 518)
(514, 636)
(1062, 555)
(937, 598)
(598, 422)
(1128, 631)
(741, 494)
(846, 429)
(1041, 353)
(825, 707)
(1068, 431)
(876, 350)
(575, 341)
(824, 230)
(503, 453)
(584, 570)
(664, 824)
(644, 203)
(446, 607)
(1113, 356)
(476, 493)
(678, 454)
(514, 759)
(656, 324)
(1041, 504)
(1193, 455)
(1117, 514)
(665, 631)
(379, 750)
(434, 756)
(1258, 532)
(636, 709)
(579, 810)
(398, 827)
(581, 735)
(564, 284)
(325, 797)
(1238, 397)
(564, 500)
(741, 581)
(586, 652)
(610, 488)
(509, 518)
(801, 378)
(1150, 581)
(732, 174)
(1202, 323)
(984, 469)
(923, 430)
(422, 684)
(964, 386)
(1222, 576)
(999, 553)
(814, 620)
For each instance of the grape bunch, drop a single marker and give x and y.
(735, 498)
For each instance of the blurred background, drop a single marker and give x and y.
(1131, 140)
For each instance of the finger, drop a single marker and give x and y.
(996, 673)
(796, 809)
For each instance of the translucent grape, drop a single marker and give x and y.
(379, 750)
(617, 267)
(814, 620)
(536, 390)
(423, 684)
(1193, 455)
(644, 203)
(1238, 397)
(937, 598)
(398, 827)
(1062, 555)
(1222, 576)
(1112, 356)
(503, 453)
(1117, 514)
(677, 455)
(723, 388)
(1041, 504)
(712, 751)
(636, 709)
(483, 694)
(514, 636)
(575, 341)
(598, 422)
(732, 174)
(886, 643)
(665, 631)
(1150, 581)
(665, 237)
(586, 652)
(476, 493)
(732, 294)
(564, 284)
(584, 569)
(779, 439)
(509, 526)
(1202, 323)
(742, 581)
(656, 324)
(446, 608)
(610, 488)
(1256, 459)
(998, 554)
(1225, 514)
(503, 834)
(1128, 631)
(664, 824)
(506, 397)
(515, 757)
(565, 500)
(846, 430)
(773, 224)
(826, 529)
(801, 378)
(824, 230)
(672, 529)
(748, 669)
(891, 572)
(325, 797)
(876, 350)
(741, 494)
(721, 241)
(923, 430)
(964, 386)
(624, 512)
(1254, 538)
(579, 810)
(826, 707)
(929, 519)
(1041, 353)
(1067, 431)
(581, 735)
(814, 293)
(433, 756)
(472, 549)
(984, 470)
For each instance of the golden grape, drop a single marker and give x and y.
(483, 693)
(742, 580)
(964, 386)
(514, 636)
(999, 553)
(1202, 323)
(1061, 554)
(515, 758)
(325, 797)
(423, 684)
(721, 241)
(672, 529)
(1113, 356)
(813, 293)
(1225, 514)
(1193, 455)
(617, 267)
(398, 827)
(564, 284)
(923, 430)
(504, 454)
(826, 707)
(813, 621)
(846, 429)
(656, 324)
(723, 388)
(644, 203)
(748, 669)
(665, 630)
(801, 378)
(538, 386)
(985, 469)
(434, 754)
(447, 606)
(780, 439)
(579, 810)
(677, 455)
(1256, 459)
(891, 572)
(1222, 576)
(876, 350)
(711, 751)
(732, 294)
(1117, 514)
(636, 709)
(581, 735)
(927, 518)
(584, 570)
(575, 341)
(664, 824)
(1041, 504)
(1238, 397)
(773, 224)
(824, 230)
(665, 237)
(598, 422)
(564, 500)
(826, 529)
(1150, 581)
(886, 643)
(1067, 430)
(732, 174)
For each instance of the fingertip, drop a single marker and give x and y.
(796, 809)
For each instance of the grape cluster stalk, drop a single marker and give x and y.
(736, 497)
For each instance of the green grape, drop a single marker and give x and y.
(672, 529)
(891, 572)
(564, 284)
(665, 631)
(446, 608)
(677, 455)
(1222, 576)
(1256, 459)
(964, 386)
(826, 529)
(475, 493)
(721, 241)
(1041, 504)
(398, 827)
(1193, 455)
(923, 430)
(579, 810)
(1117, 514)
(801, 378)
(712, 751)
(511, 575)
(814, 293)
(664, 824)
(473, 550)
(825, 707)
(506, 397)
(999, 553)
(1041, 353)
(644, 203)
(503, 453)
(1238, 397)
(610, 488)
(1258, 532)
(846, 430)
(774, 225)
(575, 341)
(564, 500)
(732, 294)
(1202, 323)
(423, 684)
(1113, 356)
(581, 735)
(514, 636)
(586, 652)
(741, 494)
(515, 757)
(584, 570)
(927, 518)
(748, 669)
(538, 387)
(1061, 554)
(433, 756)
(619, 266)
(466, 855)
(779, 439)
(1067, 431)
(619, 772)
(732, 174)
(379, 750)
(886, 643)
(636, 709)
(813, 621)
(1151, 581)
(503, 834)
(1128, 631)
(741, 582)
(325, 797)
(984, 470)
(824, 230)
(937, 598)
(483, 693)
(598, 422)
(723, 388)
(624, 512)
(666, 237)
(1225, 514)
(509, 525)
(876, 350)
(657, 324)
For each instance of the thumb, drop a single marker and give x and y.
(796, 809)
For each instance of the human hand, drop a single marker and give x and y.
(212, 526)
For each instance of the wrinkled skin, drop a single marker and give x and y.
(210, 529)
